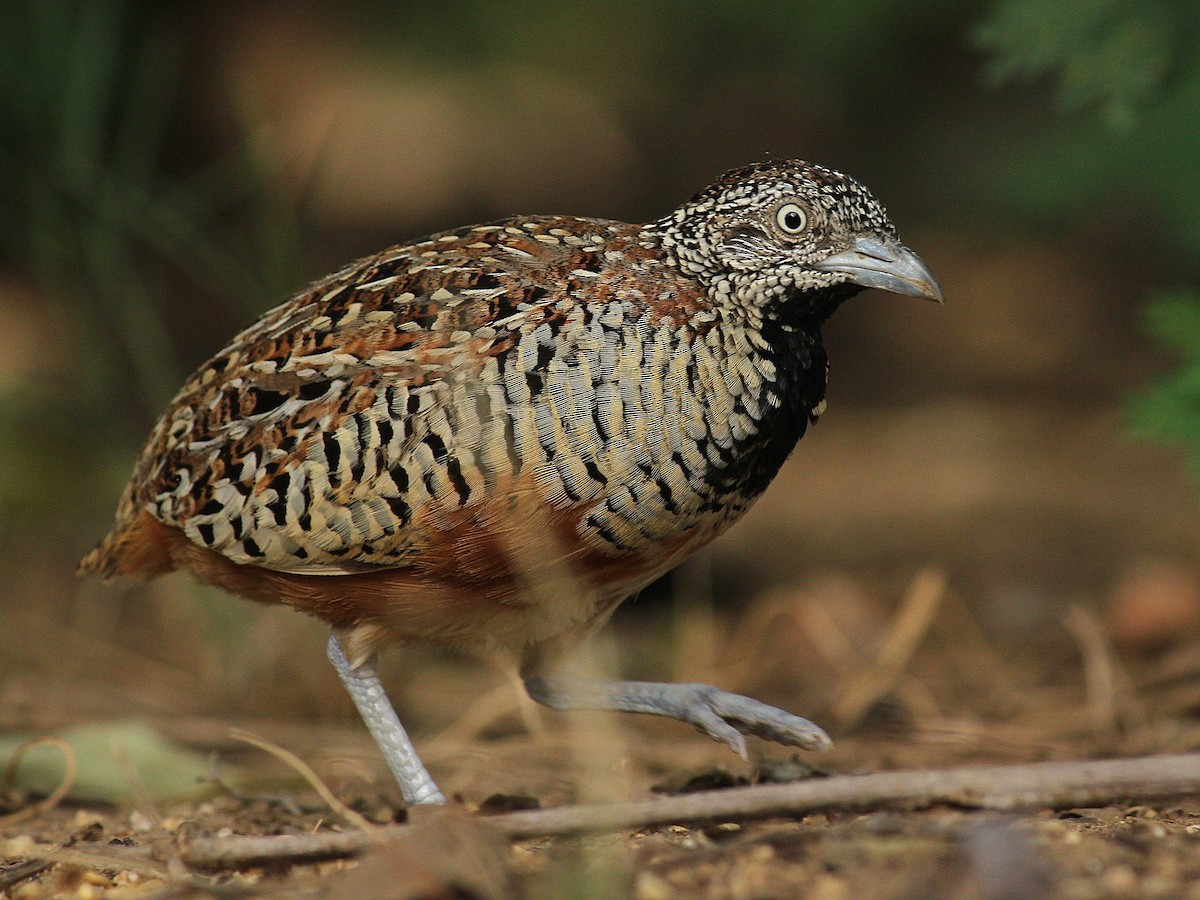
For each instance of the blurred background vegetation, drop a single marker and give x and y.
(168, 170)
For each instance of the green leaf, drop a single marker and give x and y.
(115, 761)
(1114, 55)
(1175, 320)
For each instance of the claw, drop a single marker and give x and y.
(707, 721)
(751, 716)
(723, 716)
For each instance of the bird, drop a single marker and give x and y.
(486, 440)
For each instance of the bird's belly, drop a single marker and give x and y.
(512, 593)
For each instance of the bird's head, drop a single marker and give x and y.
(787, 234)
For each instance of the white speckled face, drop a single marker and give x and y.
(793, 222)
(762, 229)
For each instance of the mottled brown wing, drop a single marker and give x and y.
(346, 425)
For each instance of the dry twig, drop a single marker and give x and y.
(1098, 668)
(113, 858)
(1112, 699)
(308, 774)
(18, 872)
(480, 715)
(55, 797)
(908, 628)
(1036, 785)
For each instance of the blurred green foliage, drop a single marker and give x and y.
(1170, 410)
(680, 44)
(1131, 71)
(107, 232)
(1135, 63)
(1114, 55)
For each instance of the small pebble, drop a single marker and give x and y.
(762, 853)
(85, 818)
(652, 887)
(1154, 604)
(20, 847)
(829, 887)
(1120, 881)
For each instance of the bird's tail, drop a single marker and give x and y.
(135, 546)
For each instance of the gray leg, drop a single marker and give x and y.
(368, 695)
(722, 716)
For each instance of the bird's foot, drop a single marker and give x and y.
(723, 716)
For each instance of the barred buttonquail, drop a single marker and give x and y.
(488, 439)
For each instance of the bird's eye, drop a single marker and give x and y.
(791, 218)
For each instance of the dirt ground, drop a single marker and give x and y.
(903, 685)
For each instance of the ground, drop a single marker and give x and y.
(903, 685)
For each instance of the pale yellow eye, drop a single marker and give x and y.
(791, 218)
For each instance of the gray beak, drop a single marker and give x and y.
(884, 263)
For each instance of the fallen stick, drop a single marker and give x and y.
(1060, 785)
(113, 858)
